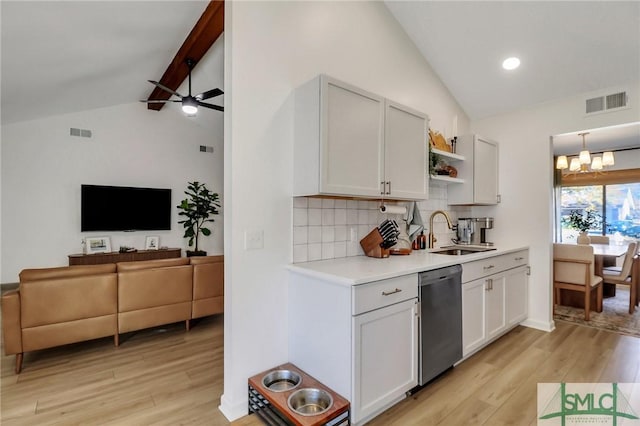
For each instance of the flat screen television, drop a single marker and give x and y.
(122, 208)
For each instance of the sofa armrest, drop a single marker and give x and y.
(11, 329)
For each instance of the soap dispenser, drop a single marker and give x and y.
(422, 240)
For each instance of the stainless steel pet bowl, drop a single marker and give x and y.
(310, 401)
(281, 380)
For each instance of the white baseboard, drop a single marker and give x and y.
(233, 412)
(539, 325)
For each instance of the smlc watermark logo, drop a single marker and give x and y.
(574, 404)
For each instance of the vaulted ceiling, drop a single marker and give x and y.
(65, 56)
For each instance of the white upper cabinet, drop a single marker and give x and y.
(354, 143)
(405, 152)
(480, 172)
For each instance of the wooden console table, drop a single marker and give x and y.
(115, 257)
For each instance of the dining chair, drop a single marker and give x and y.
(603, 239)
(573, 269)
(623, 275)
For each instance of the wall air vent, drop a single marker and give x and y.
(595, 105)
(606, 103)
(83, 133)
(617, 100)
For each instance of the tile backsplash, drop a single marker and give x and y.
(328, 228)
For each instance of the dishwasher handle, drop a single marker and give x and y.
(435, 276)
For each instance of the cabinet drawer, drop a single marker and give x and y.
(482, 268)
(518, 258)
(485, 267)
(370, 296)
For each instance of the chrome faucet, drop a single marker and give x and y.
(432, 237)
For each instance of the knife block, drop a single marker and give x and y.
(371, 244)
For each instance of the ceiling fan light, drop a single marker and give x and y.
(585, 157)
(607, 159)
(562, 162)
(189, 106)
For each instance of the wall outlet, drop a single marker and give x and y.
(253, 240)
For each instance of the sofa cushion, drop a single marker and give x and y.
(146, 288)
(66, 272)
(61, 300)
(208, 278)
(151, 264)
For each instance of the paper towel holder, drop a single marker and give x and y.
(390, 209)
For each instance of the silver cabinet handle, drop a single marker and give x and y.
(489, 284)
(389, 190)
(389, 293)
(488, 267)
(383, 188)
(519, 259)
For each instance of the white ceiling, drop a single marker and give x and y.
(566, 48)
(66, 56)
(602, 139)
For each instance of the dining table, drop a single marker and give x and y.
(610, 253)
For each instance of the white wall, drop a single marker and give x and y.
(525, 215)
(43, 168)
(273, 47)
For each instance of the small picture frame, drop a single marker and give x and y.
(152, 243)
(95, 245)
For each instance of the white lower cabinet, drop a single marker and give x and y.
(516, 300)
(494, 298)
(361, 341)
(386, 355)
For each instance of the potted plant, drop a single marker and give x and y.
(435, 161)
(582, 222)
(196, 208)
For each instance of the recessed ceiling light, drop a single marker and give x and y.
(511, 63)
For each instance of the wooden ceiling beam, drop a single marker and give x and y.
(206, 31)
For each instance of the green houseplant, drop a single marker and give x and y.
(582, 222)
(196, 209)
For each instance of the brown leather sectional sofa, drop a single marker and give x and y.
(57, 306)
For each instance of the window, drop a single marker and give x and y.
(617, 204)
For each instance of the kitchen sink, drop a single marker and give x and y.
(458, 251)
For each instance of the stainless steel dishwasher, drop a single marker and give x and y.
(440, 321)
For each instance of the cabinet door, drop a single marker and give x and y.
(516, 295)
(405, 166)
(485, 171)
(351, 154)
(473, 313)
(495, 316)
(385, 357)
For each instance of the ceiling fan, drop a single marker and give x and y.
(189, 103)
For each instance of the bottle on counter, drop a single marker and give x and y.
(422, 240)
(416, 243)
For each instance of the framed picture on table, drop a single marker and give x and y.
(152, 243)
(94, 245)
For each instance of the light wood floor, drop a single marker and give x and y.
(171, 377)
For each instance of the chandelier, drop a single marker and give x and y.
(583, 162)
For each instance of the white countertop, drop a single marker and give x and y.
(362, 269)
